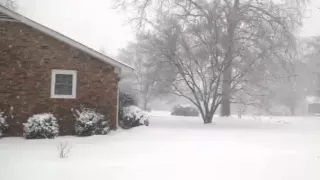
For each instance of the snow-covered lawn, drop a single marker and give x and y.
(177, 148)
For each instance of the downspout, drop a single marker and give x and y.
(121, 73)
(118, 72)
(118, 98)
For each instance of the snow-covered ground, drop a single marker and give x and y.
(278, 148)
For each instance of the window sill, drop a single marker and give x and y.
(63, 97)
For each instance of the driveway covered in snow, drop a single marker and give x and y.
(278, 148)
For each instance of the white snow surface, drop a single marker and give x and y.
(175, 148)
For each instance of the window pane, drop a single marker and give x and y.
(63, 89)
(64, 79)
(63, 84)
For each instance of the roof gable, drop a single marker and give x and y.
(9, 15)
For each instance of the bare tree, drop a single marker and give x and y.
(146, 81)
(142, 81)
(198, 70)
(11, 4)
(219, 47)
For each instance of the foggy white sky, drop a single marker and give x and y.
(95, 24)
(91, 22)
(312, 22)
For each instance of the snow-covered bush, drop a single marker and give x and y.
(3, 123)
(132, 117)
(125, 100)
(184, 110)
(41, 126)
(89, 122)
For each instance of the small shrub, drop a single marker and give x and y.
(125, 100)
(41, 126)
(132, 117)
(90, 122)
(63, 149)
(3, 123)
(179, 110)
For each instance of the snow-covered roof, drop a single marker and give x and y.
(313, 99)
(9, 15)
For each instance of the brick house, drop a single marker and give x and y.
(44, 71)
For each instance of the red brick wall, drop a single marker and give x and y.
(27, 57)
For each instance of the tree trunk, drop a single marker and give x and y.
(207, 118)
(145, 105)
(292, 109)
(227, 73)
(226, 92)
(208, 122)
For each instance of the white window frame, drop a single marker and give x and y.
(74, 83)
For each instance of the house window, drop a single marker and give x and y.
(63, 84)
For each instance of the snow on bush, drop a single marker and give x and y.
(184, 110)
(90, 122)
(133, 116)
(125, 100)
(313, 99)
(3, 123)
(41, 126)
